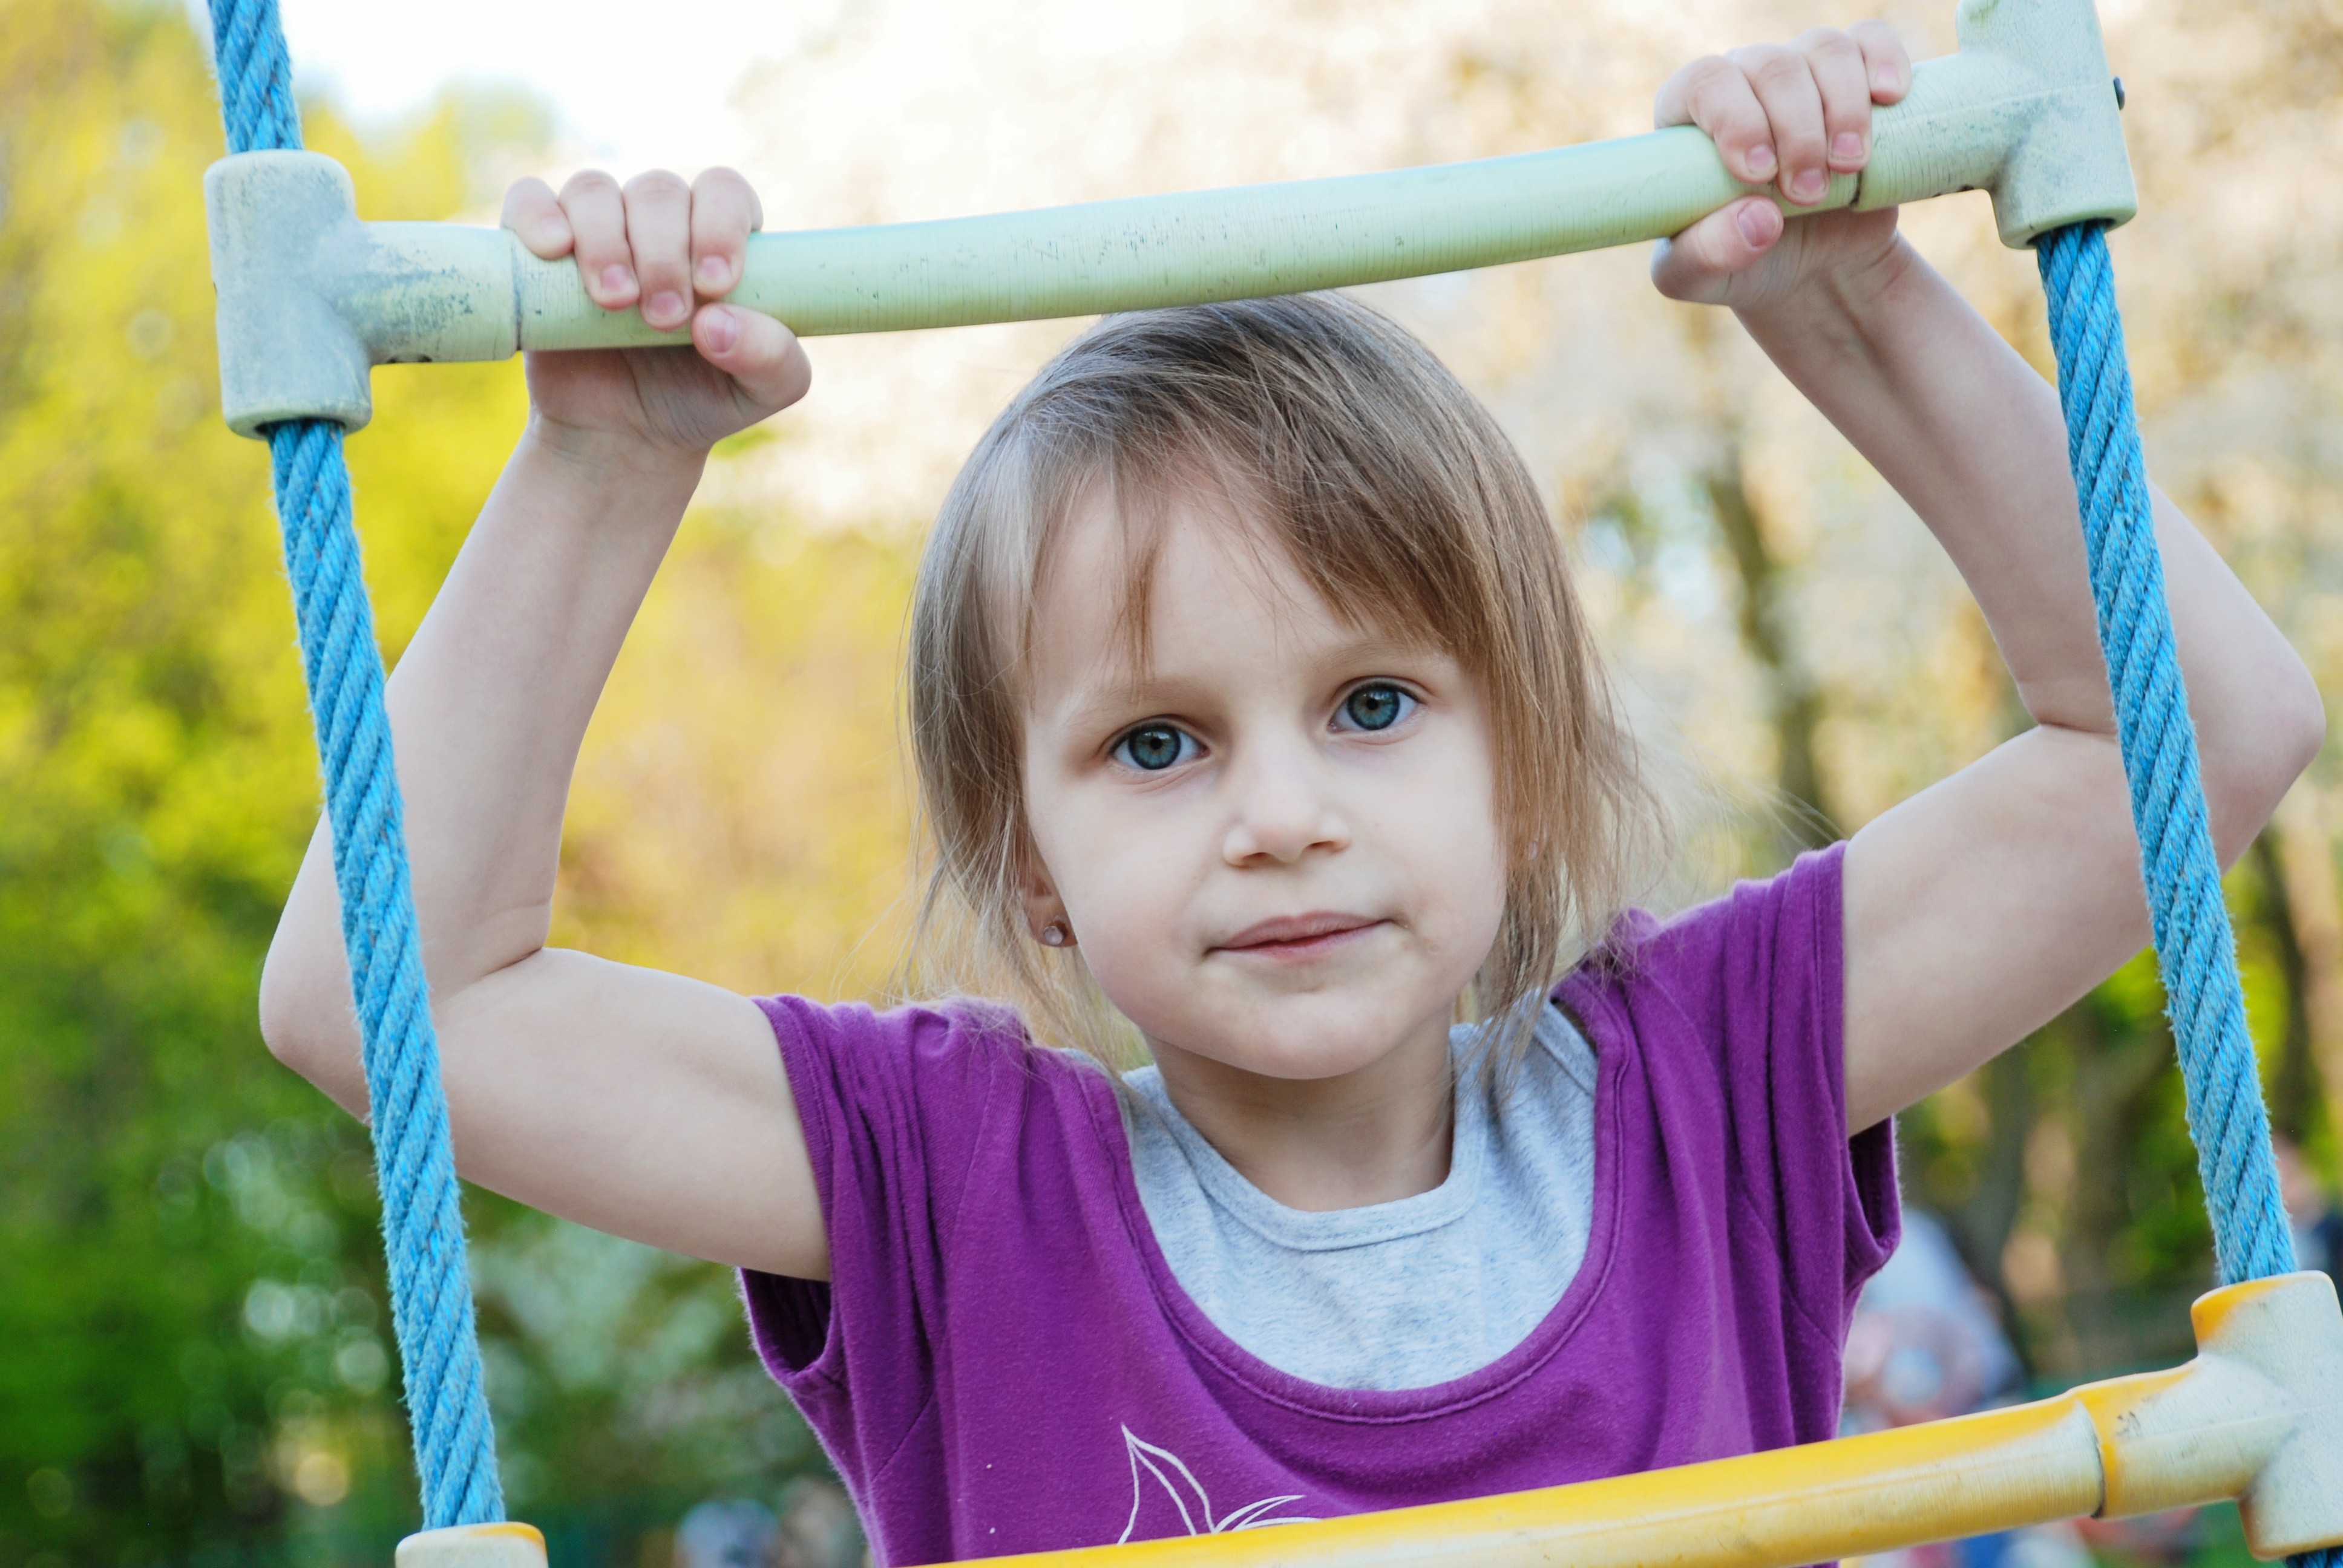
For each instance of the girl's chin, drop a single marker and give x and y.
(1293, 1049)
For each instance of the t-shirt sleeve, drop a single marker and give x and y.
(1761, 975)
(894, 1108)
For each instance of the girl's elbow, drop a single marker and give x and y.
(2309, 731)
(282, 1027)
(2296, 726)
(287, 1022)
(2271, 746)
(307, 1024)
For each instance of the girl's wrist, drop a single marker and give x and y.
(1847, 296)
(604, 460)
(1851, 313)
(600, 488)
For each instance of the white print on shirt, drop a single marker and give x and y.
(1188, 1496)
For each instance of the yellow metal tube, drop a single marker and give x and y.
(1777, 1509)
(2257, 1416)
(2198, 1434)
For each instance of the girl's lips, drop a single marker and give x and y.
(1299, 936)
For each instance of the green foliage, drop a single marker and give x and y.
(150, 762)
(198, 1363)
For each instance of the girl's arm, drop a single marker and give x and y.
(640, 1103)
(1982, 907)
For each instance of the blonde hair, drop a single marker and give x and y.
(1400, 502)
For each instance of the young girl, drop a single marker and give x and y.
(1251, 703)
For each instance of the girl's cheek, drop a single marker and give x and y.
(1137, 975)
(1115, 889)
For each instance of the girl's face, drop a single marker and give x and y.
(1278, 845)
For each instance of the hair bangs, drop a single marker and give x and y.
(1315, 426)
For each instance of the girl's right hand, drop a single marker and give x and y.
(675, 250)
(1793, 115)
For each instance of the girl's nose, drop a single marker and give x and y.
(1282, 812)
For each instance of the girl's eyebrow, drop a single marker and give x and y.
(1378, 645)
(1109, 705)
(1125, 695)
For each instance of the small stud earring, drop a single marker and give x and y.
(1054, 934)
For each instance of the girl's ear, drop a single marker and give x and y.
(1045, 913)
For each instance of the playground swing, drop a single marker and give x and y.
(310, 298)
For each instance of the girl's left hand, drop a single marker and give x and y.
(1792, 114)
(675, 250)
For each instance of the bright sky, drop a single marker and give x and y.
(625, 95)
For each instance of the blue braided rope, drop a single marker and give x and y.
(2196, 950)
(422, 1213)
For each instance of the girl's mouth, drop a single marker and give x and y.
(1292, 938)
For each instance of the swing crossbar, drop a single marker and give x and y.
(2258, 1418)
(310, 297)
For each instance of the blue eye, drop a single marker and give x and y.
(1152, 747)
(1376, 707)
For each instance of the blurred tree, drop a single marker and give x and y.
(199, 1366)
(2302, 868)
(1768, 636)
(186, 1239)
(2294, 1099)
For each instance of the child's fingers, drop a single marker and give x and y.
(658, 233)
(723, 212)
(1837, 64)
(757, 351)
(1785, 85)
(1713, 95)
(1886, 60)
(1698, 264)
(598, 216)
(533, 212)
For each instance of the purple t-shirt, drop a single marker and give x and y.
(1002, 1360)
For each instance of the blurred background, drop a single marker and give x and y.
(194, 1348)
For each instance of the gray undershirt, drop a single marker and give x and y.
(1394, 1295)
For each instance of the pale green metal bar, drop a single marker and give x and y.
(2025, 65)
(1244, 242)
(310, 297)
